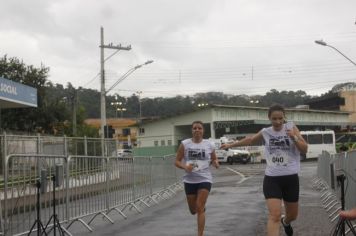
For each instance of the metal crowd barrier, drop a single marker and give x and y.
(330, 169)
(92, 186)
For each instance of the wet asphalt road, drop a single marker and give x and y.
(235, 206)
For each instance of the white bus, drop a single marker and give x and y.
(319, 141)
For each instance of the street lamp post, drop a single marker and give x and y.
(321, 42)
(203, 104)
(129, 72)
(121, 109)
(116, 104)
(104, 93)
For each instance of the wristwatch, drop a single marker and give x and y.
(295, 138)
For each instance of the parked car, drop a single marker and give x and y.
(233, 156)
(124, 153)
(237, 155)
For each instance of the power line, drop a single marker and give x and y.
(91, 80)
(276, 40)
(311, 86)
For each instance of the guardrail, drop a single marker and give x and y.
(85, 187)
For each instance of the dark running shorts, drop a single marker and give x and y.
(282, 187)
(192, 189)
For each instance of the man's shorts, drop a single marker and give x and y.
(282, 187)
(192, 189)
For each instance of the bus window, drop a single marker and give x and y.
(315, 139)
(328, 138)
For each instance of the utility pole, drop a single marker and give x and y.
(140, 107)
(74, 99)
(102, 77)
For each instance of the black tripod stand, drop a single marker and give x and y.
(340, 226)
(56, 223)
(40, 229)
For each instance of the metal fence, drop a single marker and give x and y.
(16, 144)
(80, 186)
(335, 171)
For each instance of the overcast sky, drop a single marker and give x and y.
(231, 46)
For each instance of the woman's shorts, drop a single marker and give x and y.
(192, 189)
(282, 187)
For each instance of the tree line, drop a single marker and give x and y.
(57, 103)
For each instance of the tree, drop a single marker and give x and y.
(55, 103)
(26, 119)
(90, 100)
(285, 98)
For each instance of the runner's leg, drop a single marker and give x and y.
(192, 203)
(200, 203)
(274, 216)
(291, 197)
(291, 211)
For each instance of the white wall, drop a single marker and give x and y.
(164, 129)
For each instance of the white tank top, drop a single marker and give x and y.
(281, 154)
(199, 154)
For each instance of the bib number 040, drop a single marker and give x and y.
(278, 160)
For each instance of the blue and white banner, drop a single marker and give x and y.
(13, 94)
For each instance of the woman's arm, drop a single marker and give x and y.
(214, 160)
(179, 157)
(244, 142)
(299, 141)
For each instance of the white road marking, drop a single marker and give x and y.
(243, 177)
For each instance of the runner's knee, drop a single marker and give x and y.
(200, 208)
(275, 216)
(192, 210)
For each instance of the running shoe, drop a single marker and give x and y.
(287, 228)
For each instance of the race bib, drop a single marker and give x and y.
(277, 158)
(198, 165)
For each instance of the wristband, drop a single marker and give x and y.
(295, 138)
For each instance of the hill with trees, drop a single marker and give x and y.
(57, 104)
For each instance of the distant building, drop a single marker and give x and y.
(302, 107)
(343, 100)
(220, 120)
(126, 130)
